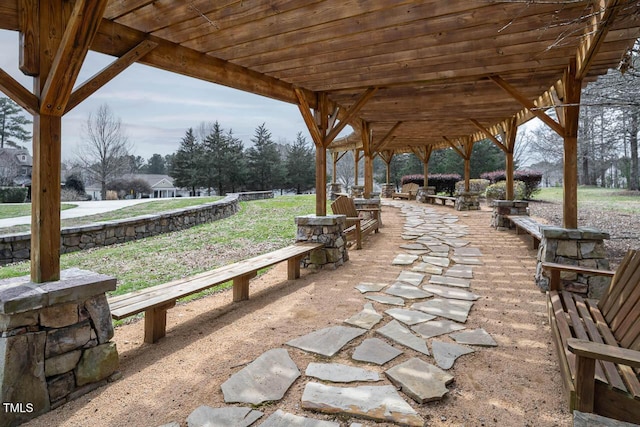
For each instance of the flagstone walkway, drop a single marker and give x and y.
(434, 306)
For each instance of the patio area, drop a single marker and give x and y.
(514, 383)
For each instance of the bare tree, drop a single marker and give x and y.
(105, 148)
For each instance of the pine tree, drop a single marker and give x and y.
(12, 125)
(186, 167)
(216, 152)
(300, 165)
(265, 165)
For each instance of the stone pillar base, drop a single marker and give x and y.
(423, 192)
(54, 342)
(334, 189)
(468, 201)
(323, 229)
(582, 247)
(502, 208)
(357, 191)
(387, 190)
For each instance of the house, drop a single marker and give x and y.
(15, 167)
(161, 187)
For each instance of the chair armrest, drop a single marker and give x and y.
(609, 353)
(555, 270)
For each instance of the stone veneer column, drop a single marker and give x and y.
(502, 208)
(334, 189)
(468, 201)
(423, 192)
(323, 229)
(387, 191)
(583, 247)
(357, 191)
(54, 342)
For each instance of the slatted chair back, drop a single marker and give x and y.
(620, 305)
(344, 205)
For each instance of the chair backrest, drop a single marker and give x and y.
(411, 188)
(344, 205)
(620, 305)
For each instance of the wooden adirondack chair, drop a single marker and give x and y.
(360, 222)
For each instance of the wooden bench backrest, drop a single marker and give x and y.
(410, 188)
(344, 205)
(620, 305)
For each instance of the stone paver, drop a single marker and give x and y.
(327, 341)
(433, 328)
(285, 419)
(403, 336)
(446, 353)
(425, 267)
(374, 350)
(366, 319)
(410, 277)
(583, 419)
(451, 293)
(386, 299)
(467, 252)
(365, 287)
(409, 317)
(461, 271)
(206, 416)
(339, 373)
(457, 310)
(438, 248)
(478, 337)
(413, 246)
(420, 380)
(405, 290)
(379, 403)
(466, 260)
(404, 259)
(266, 378)
(450, 281)
(437, 261)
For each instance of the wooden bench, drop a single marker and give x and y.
(433, 198)
(408, 191)
(360, 222)
(525, 224)
(156, 300)
(598, 342)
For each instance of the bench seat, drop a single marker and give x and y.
(408, 191)
(525, 224)
(156, 300)
(597, 343)
(433, 198)
(360, 221)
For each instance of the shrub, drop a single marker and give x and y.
(74, 182)
(13, 194)
(69, 195)
(531, 180)
(444, 183)
(498, 191)
(475, 186)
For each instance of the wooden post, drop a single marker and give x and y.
(368, 159)
(321, 178)
(425, 171)
(572, 88)
(356, 158)
(334, 157)
(467, 173)
(509, 143)
(388, 171)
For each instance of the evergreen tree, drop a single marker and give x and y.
(216, 159)
(12, 125)
(300, 165)
(236, 161)
(265, 171)
(156, 165)
(186, 167)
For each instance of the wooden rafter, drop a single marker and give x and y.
(489, 135)
(528, 104)
(308, 118)
(455, 147)
(18, 93)
(601, 21)
(108, 73)
(351, 113)
(77, 38)
(29, 18)
(380, 145)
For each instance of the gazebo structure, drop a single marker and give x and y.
(407, 75)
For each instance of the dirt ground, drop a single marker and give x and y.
(515, 384)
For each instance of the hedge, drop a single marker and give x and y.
(444, 183)
(530, 179)
(13, 194)
(475, 186)
(498, 191)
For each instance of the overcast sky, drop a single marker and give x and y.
(157, 107)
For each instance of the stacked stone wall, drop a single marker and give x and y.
(468, 201)
(328, 230)
(423, 192)
(502, 208)
(17, 247)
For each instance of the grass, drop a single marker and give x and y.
(128, 212)
(606, 198)
(13, 210)
(260, 226)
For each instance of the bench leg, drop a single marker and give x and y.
(155, 322)
(241, 287)
(536, 242)
(293, 268)
(585, 384)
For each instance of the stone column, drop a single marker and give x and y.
(468, 201)
(581, 246)
(54, 342)
(357, 191)
(502, 208)
(323, 229)
(423, 192)
(334, 189)
(388, 190)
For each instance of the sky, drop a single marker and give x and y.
(157, 107)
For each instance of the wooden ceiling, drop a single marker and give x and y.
(434, 63)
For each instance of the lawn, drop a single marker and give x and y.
(606, 198)
(12, 210)
(260, 226)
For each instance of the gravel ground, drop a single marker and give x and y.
(624, 228)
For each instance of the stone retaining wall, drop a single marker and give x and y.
(328, 230)
(17, 247)
(502, 208)
(468, 201)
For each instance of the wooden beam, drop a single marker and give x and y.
(29, 19)
(452, 145)
(529, 105)
(18, 93)
(350, 114)
(77, 38)
(573, 89)
(512, 130)
(308, 118)
(108, 73)
(488, 134)
(368, 159)
(591, 42)
(379, 146)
